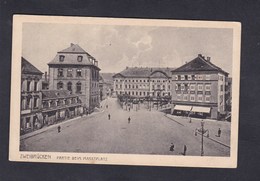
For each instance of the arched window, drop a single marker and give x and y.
(78, 87)
(69, 86)
(59, 85)
(69, 72)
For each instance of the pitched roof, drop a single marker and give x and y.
(74, 48)
(54, 94)
(199, 64)
(145, 72)
(71, 57)
(28, 68)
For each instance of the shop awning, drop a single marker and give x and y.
(182, 108)
(201, 109)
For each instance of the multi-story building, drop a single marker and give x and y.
(75, 70)
(31, 97)
(143, 81)
(199, 89)
(58, 105)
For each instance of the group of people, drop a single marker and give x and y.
(129, 118)
(184, 149)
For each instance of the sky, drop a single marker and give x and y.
(116, 47)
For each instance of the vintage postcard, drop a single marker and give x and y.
(125, 91)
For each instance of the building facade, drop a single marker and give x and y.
(75, 70)
(58, 105)
(31, 97)
(199, 89)
(142, 82)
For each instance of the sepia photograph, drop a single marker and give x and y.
(125, 91)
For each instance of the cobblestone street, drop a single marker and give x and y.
(149, 132)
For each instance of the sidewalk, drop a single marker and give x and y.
(211, 125)
(44, 129)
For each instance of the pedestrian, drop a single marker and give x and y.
(106, 106)
(219, 132)
(129, 109)
(108, 116)
(172, 147)
(190, 120)
(129, 119)
(59, 129)
(184, 150)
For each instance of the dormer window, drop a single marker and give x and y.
(61, 58)
(80, 58)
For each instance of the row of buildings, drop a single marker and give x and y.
(198, 88)
(72, 87)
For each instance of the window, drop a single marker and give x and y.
(136, 93)
(35, 86)
(163, 87)
(125, 80)
(59, 85)
(221, 88)
(185, 97)
(207, 87)
(80, 58)
(189, 77)
(178, 97)
(116, 80)
(177, 87)
(140, 93)
(153, 87)
(35, 102)
(192, 87)
(133, 81)
(207, 77)
(200, 87)
(78, 87)
(129, 86)
(169, 87)
(120, 86)
(136, 80)
(69, 72)
(126, 86)
(69, 86)
(186, 77)
(60, 72)
(136, 86)
(221, 77)
(193, 77)
(182, 77)
(133, 93)
(207, 98)
(144, 80)
(79, 73)
(182, 87)
(178, 77)
(200, 77)
(158, 86)
(28, 85)
(199, 98)
(192, 97)
(116, 86)
(61, 58)
(186, 87)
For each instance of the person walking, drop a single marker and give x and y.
(107, 106)
(109, 116)
(172, 147)
(129, 119)
(184, 150)
(219, 132)
(59, 129)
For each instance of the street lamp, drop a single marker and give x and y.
(203, 131)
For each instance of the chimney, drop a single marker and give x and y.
(208, 59)
(71, 44)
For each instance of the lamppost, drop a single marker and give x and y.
(203, 131)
